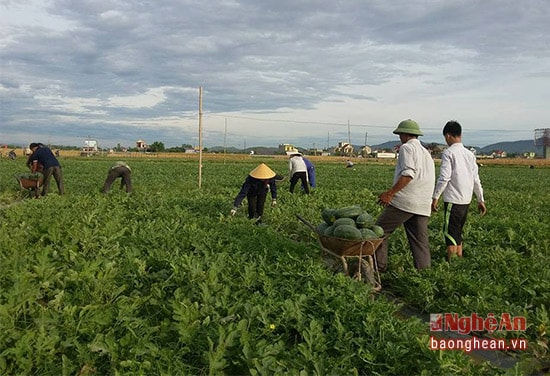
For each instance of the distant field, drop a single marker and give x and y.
(246, 157)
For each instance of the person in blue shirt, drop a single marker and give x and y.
(310, 173)
(255, 187)
(44, 157)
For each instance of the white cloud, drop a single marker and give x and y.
(150, 98)
(281, 71)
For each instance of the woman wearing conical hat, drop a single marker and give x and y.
(255, 187)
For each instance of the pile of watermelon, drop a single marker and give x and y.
(31, 176)
(349, 222)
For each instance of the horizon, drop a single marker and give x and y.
(397, 142)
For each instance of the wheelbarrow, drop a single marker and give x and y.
(357, 258)
(30, 183)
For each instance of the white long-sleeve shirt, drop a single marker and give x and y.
(414, 161)
(458, 176)
(296, 164)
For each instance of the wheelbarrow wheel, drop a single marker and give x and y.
(366, 274)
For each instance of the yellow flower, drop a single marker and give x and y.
(272, 326)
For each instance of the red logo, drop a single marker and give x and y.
(476, 323)
(436, 322)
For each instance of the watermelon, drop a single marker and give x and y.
(328, 215)
(344, 221)
(329, 231)
(364, 220)
(379, 231)
(348, 212)
(321, 227)
(367, 233)
(347, 232)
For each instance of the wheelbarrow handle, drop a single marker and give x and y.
(304, 221)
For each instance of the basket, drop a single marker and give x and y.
(347, 247)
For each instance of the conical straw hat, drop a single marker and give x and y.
(262, 172)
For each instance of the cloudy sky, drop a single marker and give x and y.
(305, 72)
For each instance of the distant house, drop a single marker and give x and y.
(366, 150)
(435, 149)
(141, 145)
(315, 151)
(90, 147)
(287, 148)
(344, 148)
(499, 154)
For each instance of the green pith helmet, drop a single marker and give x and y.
(409, 127)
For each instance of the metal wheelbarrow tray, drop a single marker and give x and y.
(30, 182)
(347, 247)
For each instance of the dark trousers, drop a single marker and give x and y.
(119, 172)
(302, 176)
(256, 204)
(454, 218)
(54, 171)
(416, 228)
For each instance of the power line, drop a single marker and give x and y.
(348, 124)
(300, 121)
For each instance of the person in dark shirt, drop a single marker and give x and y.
(255, 188)
(43, 156)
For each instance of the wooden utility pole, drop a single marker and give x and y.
(224, 140)
(349, 141)
(365, 149)
(200, 137)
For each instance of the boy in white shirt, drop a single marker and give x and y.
(458, 180)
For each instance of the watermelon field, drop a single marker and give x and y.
(165, 282)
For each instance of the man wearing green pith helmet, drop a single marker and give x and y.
(408, 201)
